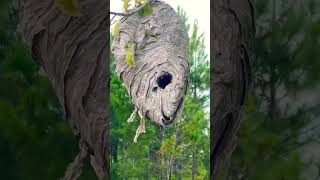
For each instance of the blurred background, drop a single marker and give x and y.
(35, 140)
(279, 137)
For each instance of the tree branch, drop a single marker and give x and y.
(118, 14)
(131, 12)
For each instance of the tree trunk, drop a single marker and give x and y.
(115, 152)
(273, 79)
(162, 177)
(149, 169)
(232, 42)
(169, 168)
(124, 162)
(74, 52)
(193, 164)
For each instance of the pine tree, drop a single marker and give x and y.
(286, 65)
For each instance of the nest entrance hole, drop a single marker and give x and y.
(164, 80)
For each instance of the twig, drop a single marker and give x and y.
(131, 12)
(118, 14)
(113, 22)
(288, 138)
(113, 17)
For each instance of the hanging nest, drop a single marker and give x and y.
(151, 57)
(73, 51)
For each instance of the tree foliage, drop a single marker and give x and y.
(286, 65)
(35, 140)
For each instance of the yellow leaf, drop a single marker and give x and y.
(138, 2)
(130, 54)
(150, 33)
(116, 30)
(69, 7)
(126, 4)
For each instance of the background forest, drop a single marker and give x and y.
(279, 138)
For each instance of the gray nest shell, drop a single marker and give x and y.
(157, 83)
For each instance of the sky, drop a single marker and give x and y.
(195, 9)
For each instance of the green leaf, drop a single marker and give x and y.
(146, 11)
(69, 7)
(126, 5)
